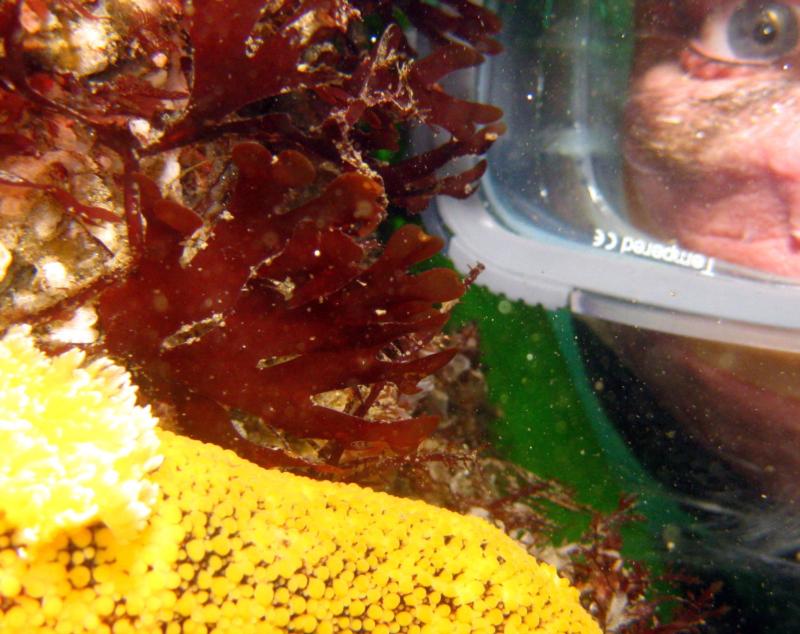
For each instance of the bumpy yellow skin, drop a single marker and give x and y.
(231, 547)
(227, 546)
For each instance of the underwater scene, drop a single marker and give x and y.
(399, 316)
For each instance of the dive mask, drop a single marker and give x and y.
(636, 183)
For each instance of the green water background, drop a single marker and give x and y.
(549, 420)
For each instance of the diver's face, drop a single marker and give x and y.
(712, 152)
(712, 137)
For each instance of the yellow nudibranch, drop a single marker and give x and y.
(225, 545)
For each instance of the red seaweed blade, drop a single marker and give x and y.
(259, 289)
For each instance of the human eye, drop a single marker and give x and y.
(749, 32)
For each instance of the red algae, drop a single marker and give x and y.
(236, 149)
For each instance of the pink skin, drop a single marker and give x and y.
(713, 152)
(712, 148)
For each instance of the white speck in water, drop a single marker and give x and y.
(140, 128)
(170, 172)
(79, 328)
(504, 307)
(671, 535)
(159, 59)
(5, 261)
(55, 274)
